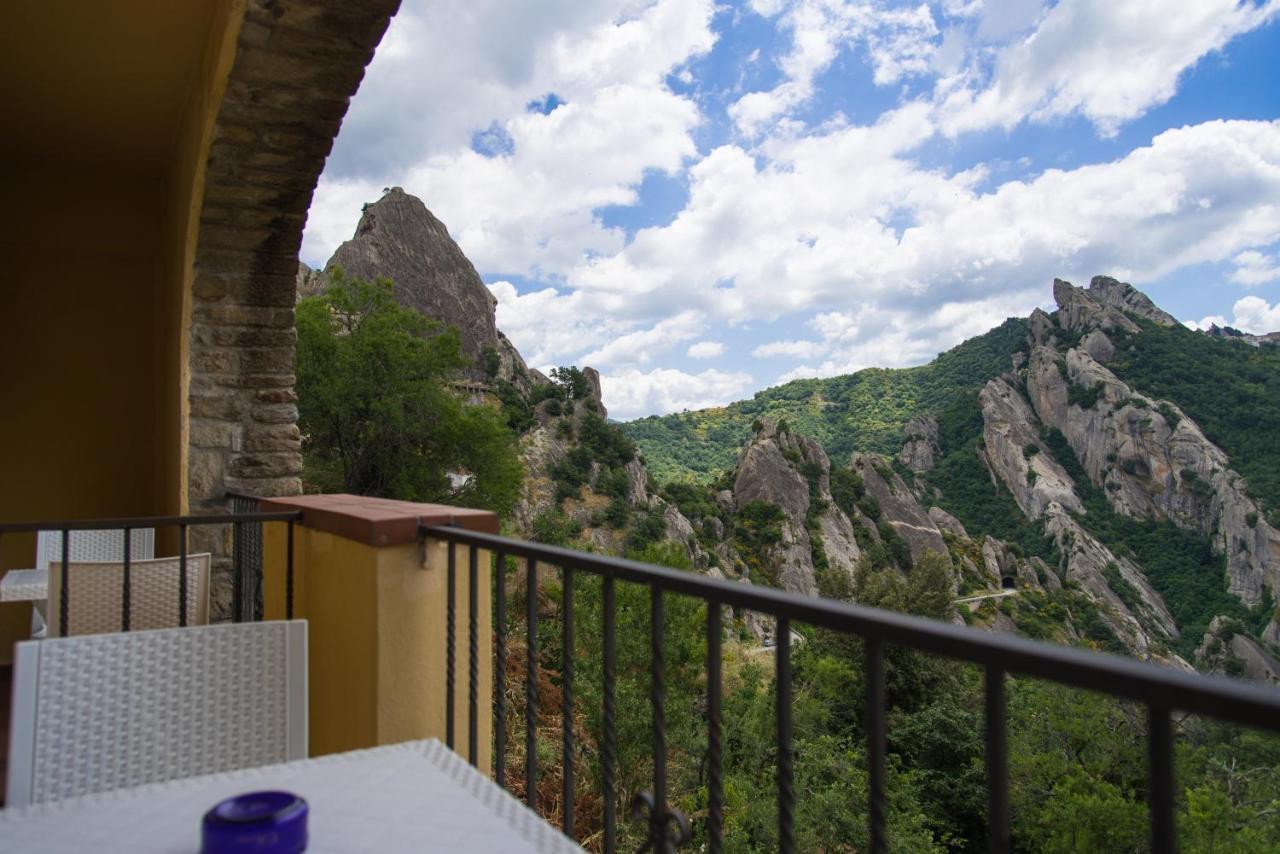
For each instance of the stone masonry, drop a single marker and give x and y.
(297, 64)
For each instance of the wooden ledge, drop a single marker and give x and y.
(377, 521)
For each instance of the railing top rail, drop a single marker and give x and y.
(1219, 697)
(147, 522)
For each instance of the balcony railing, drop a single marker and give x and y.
(1161, 690)
(246, 554)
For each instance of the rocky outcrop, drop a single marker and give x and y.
(1226, 650)
(1087, 563)
(399, 239)
(1098, 346)
(1153, 462)
(898, 507)
(946, 522)
(1079, 312)
(1109, 292)
(1226, 332)
(921, 446)
(792, 472)
(1012, 449)
(309, 282)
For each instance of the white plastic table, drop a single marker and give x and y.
(418, 796)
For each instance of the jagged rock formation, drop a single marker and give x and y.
(898, 506)
(1011, 446)
(399, 239)
(769, 471)
(1153, 462)
(1087, 561)
(1216, 331)
(1125, 297)
(1226, 650)
(920, 448)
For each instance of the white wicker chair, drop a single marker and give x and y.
(97, 595)
(104, 712)
(95, 546)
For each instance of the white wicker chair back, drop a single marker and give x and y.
(95, 546)
(103, 712)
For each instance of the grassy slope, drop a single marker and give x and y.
(865, 411)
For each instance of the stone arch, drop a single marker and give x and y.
(297, 64)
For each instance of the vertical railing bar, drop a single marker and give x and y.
(566, 682)
(288, 573)
(64, 598)
(449, 627)
(610, 757)
(237, 571)
(127, 593)
(1161, 788)
(182, 574)
(786, 784)
(531, 686)
(500, 673)
(876, 746)
(473, 654)
(657, 700)
(998, 839)
(715, 784)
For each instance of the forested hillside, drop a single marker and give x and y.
(863, 411)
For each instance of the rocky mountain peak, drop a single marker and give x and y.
(1124, 296)
(399, 239)
(1079, 312)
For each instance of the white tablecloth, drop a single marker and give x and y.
(412, 797)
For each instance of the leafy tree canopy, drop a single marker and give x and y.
(376, 413)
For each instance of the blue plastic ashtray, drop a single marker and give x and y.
(257, 822)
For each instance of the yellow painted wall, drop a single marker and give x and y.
(377, 640)
(94, 308)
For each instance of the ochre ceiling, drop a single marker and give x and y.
(97, 84)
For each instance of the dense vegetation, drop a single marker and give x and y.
(966, 488)
(1231, 389)
(376, 414)
(1077, 761)
(864, 411)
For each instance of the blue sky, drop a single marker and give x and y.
(705, 200)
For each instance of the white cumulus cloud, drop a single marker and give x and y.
(1254, 268)
(1108, 61)
(705, 350)
(632, 393)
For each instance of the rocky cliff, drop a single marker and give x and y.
(399, 239)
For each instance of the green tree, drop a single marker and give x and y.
(376, 415)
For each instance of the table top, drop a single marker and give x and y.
(416, 796)
(24, 585)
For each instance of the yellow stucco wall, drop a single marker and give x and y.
(377, 640)
(94, 305)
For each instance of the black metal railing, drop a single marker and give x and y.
(245, 526)
(1162, 690)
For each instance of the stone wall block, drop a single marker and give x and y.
(220, 407)
(265, 380)
(214, 434)
(257, 337)
(266, 464)
(280, 413)
(277, 395)
(273, 437)
(205, 472)
(268, 360)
